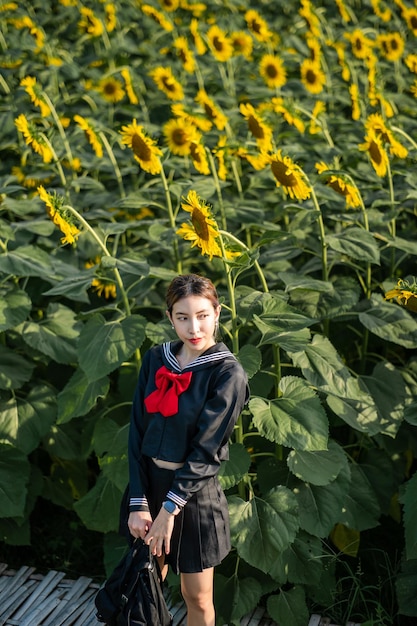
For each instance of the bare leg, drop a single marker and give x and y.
(197, 591)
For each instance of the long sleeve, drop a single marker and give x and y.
(137, 473)
(229, 393)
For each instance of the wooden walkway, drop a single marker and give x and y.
(30, 599)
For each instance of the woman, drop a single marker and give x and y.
(189, 395)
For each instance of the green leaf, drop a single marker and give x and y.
(390, 322)
(324, 303)
(262, 528)
(99, 509)
(56, 335)
(361, 508)
(110, 443)
(408, 498)
(406, 585)
(15, 306)
(320, 507)
(296, 419)
(14, 477)
(301, 562)
(27, 261)
(36, 414)
(14, 369)
(289, 607)
(250, 358)
(355, 243)
(74, 286)
(80, 395)
(103, 346)
(232, 471)
(235, 597)
(319, 467)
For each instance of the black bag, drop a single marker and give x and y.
(132, 595)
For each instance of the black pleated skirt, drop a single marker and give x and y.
(201, 535)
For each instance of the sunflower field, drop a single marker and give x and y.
(272, 147)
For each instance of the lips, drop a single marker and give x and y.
(195, 341)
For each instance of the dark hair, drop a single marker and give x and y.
(190, 285)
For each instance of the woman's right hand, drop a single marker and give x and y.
(139, 523)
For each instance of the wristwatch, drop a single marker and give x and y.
(171, 507)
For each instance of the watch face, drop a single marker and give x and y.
(170, 506)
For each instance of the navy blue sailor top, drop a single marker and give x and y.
(184, 416)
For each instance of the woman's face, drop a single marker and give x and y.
(194, 319)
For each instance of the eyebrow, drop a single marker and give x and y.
(197, 313)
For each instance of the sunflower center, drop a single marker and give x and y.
(218, 44)
(375, 152)
(256, 128)
(140, 148)
(110, 89)
(283, 174)
(271, 71)
(168, 84)
(179, 137)
(311, 77)
(255, 26)
(200, 224)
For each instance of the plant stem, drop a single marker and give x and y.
(60, 130)
(218, 189)
(114, 163)
(171, 220)
(255, 263)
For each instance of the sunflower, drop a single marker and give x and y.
(110, 13)
(89, 23)
(312, 76)
(91, 135)
(411, 62)
(340, 184)
(220, 153)
(259, 130)
(312, 20)
(34, 138)
(145, 151)
(376, 123)
(199, 44)
(391, 45)
(199, 157)
(158, 17)
(377, 153)
(35, 94)
(29, 181)
(383, 14)
(410, 16)
(257, 161)
(133, 99)
(184, 54)
(166, 82)
(405, 294)
(354, 96)
(289, 176)
(203, 231)
(111, 89)
(220, 45)
(169, 5)
(211, 109)
(242, 44)
(198, 121)
(361, 45)
(258, 26)
(60, 216)
(344, 14)
(179, 135)
(315, 125)
(279, 107)
(101, 284)
(272, 70)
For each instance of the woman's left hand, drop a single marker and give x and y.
(158, 537)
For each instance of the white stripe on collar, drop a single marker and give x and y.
(200, 360)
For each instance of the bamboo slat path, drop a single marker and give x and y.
(31, 599)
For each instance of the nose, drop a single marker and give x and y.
(194, 326)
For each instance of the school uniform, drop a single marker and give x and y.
(186, 416)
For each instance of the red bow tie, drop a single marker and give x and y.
(169, 385)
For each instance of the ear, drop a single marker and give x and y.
(168, 314)
(217, 312)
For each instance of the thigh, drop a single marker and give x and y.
(198, 584)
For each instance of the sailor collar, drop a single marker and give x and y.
(214, 354)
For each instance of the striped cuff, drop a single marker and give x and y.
(176, 498)
(138, 504)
